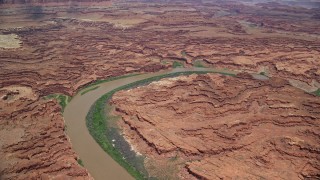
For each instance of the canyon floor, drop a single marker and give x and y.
(227, 126)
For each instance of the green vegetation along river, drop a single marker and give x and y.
(85, 119)
(95, 159)
(86, 141)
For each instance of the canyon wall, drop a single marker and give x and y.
(218, 127)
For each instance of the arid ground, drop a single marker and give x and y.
(219, 127)
(209, 126)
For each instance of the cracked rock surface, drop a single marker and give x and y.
(33, 142)
(213, 126)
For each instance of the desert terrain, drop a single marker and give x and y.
(220, 126)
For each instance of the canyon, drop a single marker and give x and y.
(57, 48)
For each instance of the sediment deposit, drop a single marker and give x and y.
(213, 126)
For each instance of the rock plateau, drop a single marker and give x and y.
(219, 127)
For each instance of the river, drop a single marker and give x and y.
(99, 164)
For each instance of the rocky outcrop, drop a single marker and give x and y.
(33, 142)
(134, 43)
(224, 127)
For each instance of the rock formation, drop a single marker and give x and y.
(34, 145)
(219, 127)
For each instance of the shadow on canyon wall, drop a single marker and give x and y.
(36, 12)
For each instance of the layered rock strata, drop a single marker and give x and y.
(219, 127)
(33, 142)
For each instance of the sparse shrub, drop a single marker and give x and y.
(262, 73)
(177, 64)
(317, 92)
(198, 63)
(80, 162)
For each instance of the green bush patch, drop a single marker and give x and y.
(62, 99)
(317, 92)
(198, 63)
(177, 64)
(263, 73)
(80, 162)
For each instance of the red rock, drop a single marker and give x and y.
(224, 127)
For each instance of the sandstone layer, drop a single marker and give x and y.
(50, 47)
(219, 127)
(33, 142)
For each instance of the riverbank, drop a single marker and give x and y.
(97, 118)
(88, 110)
(99, 163)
